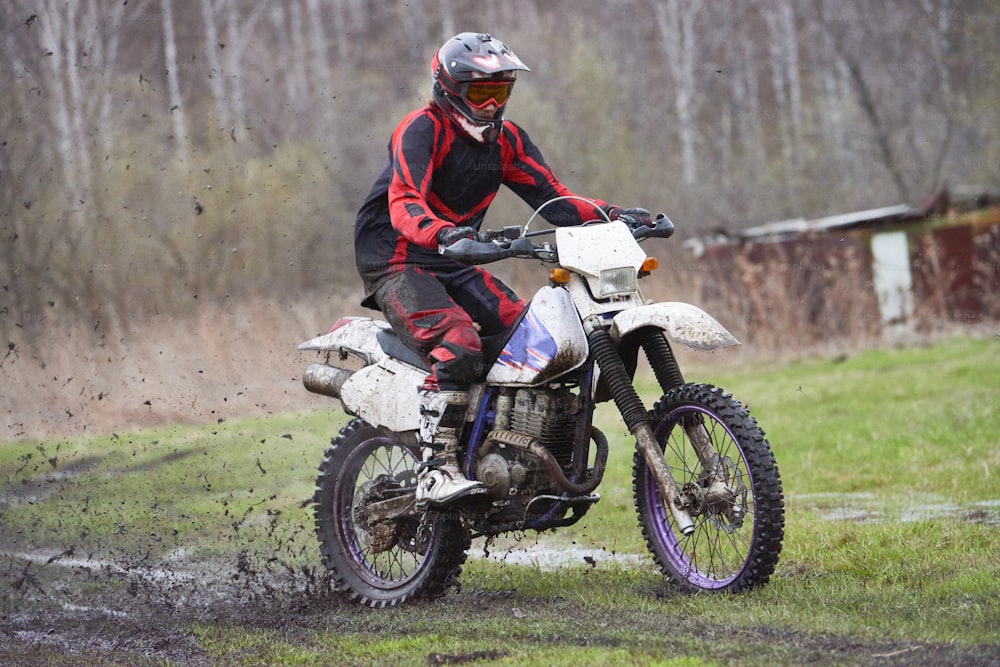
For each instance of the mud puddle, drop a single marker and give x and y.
(547, 556)
(550, 554)
(56, 606)
(871, 508)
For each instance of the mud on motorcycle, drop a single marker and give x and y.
(705, 483)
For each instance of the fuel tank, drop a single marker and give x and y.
(548, 342)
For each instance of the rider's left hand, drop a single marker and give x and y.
(633, 217)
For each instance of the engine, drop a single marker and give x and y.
(548, 415)
(527, 461)
(533, 433)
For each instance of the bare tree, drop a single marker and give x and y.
(784, 52)
(177, 108)
(57, 39)
(318, 45)
(216, 75)
(676, 21)
(895, 68)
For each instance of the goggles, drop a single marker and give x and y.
(480, 93)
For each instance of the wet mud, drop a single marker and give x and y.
(66, 608)
(115, 603)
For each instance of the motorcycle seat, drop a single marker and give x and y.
(395, 348)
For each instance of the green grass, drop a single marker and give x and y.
(898, 423)
(165, 489)
(905, 443)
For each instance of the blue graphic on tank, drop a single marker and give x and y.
(531, 346)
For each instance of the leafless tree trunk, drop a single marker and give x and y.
(852, 61)
(783, 47)
(676, 23)
(746, 99)
(54, 26)
(239, 35)
(948, 101)
(104, 36)
(287, 25)
(319, 55)
(177, 110)
(216, 74)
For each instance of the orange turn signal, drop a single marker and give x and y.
(558, 276)
(650, 264)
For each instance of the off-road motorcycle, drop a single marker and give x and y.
(705, 483)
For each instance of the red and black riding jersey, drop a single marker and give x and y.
(435, 177)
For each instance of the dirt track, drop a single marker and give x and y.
(71, 609)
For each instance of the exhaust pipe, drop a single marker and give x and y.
(325, 380)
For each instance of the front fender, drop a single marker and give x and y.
(682, 322)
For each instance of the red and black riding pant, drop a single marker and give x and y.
(437, 313)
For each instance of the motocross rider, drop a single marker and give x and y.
(446, 163)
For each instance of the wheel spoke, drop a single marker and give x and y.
(724, 551)
(395, 563)
(381, 558)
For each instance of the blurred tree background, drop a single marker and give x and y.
(160, 154)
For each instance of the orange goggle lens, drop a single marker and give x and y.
(480, 94)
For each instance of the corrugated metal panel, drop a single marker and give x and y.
(987, 270)
(875, 216)
(808, 288)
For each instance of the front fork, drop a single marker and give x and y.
(717, 491)
(668, 374)
(619, 383)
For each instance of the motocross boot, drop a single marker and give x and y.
(440, 482)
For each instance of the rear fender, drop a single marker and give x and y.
(353, 336)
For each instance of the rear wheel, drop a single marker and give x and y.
(735, 498)
(380, 550)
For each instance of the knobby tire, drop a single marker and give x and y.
(719, 556)
(424, 564)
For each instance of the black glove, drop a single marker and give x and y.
(448, 235)
(633, 217)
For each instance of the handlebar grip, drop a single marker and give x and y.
(662, 228)
(666, 224)
(469, 251)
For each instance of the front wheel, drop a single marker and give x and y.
(730, 483)
(379, 548)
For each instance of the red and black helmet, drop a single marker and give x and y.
(471, 72)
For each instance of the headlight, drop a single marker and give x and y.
(618, 281)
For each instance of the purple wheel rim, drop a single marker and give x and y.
(661, 517)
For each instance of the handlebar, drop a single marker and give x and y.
(472, 251)
(514, 241)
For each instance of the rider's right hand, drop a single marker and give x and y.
(448, 235)
(633, 217)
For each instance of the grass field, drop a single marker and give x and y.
(194, 545)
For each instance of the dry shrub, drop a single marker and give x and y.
(986, 274)
(789, 297)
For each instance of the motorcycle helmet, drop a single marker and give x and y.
(471, 72)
